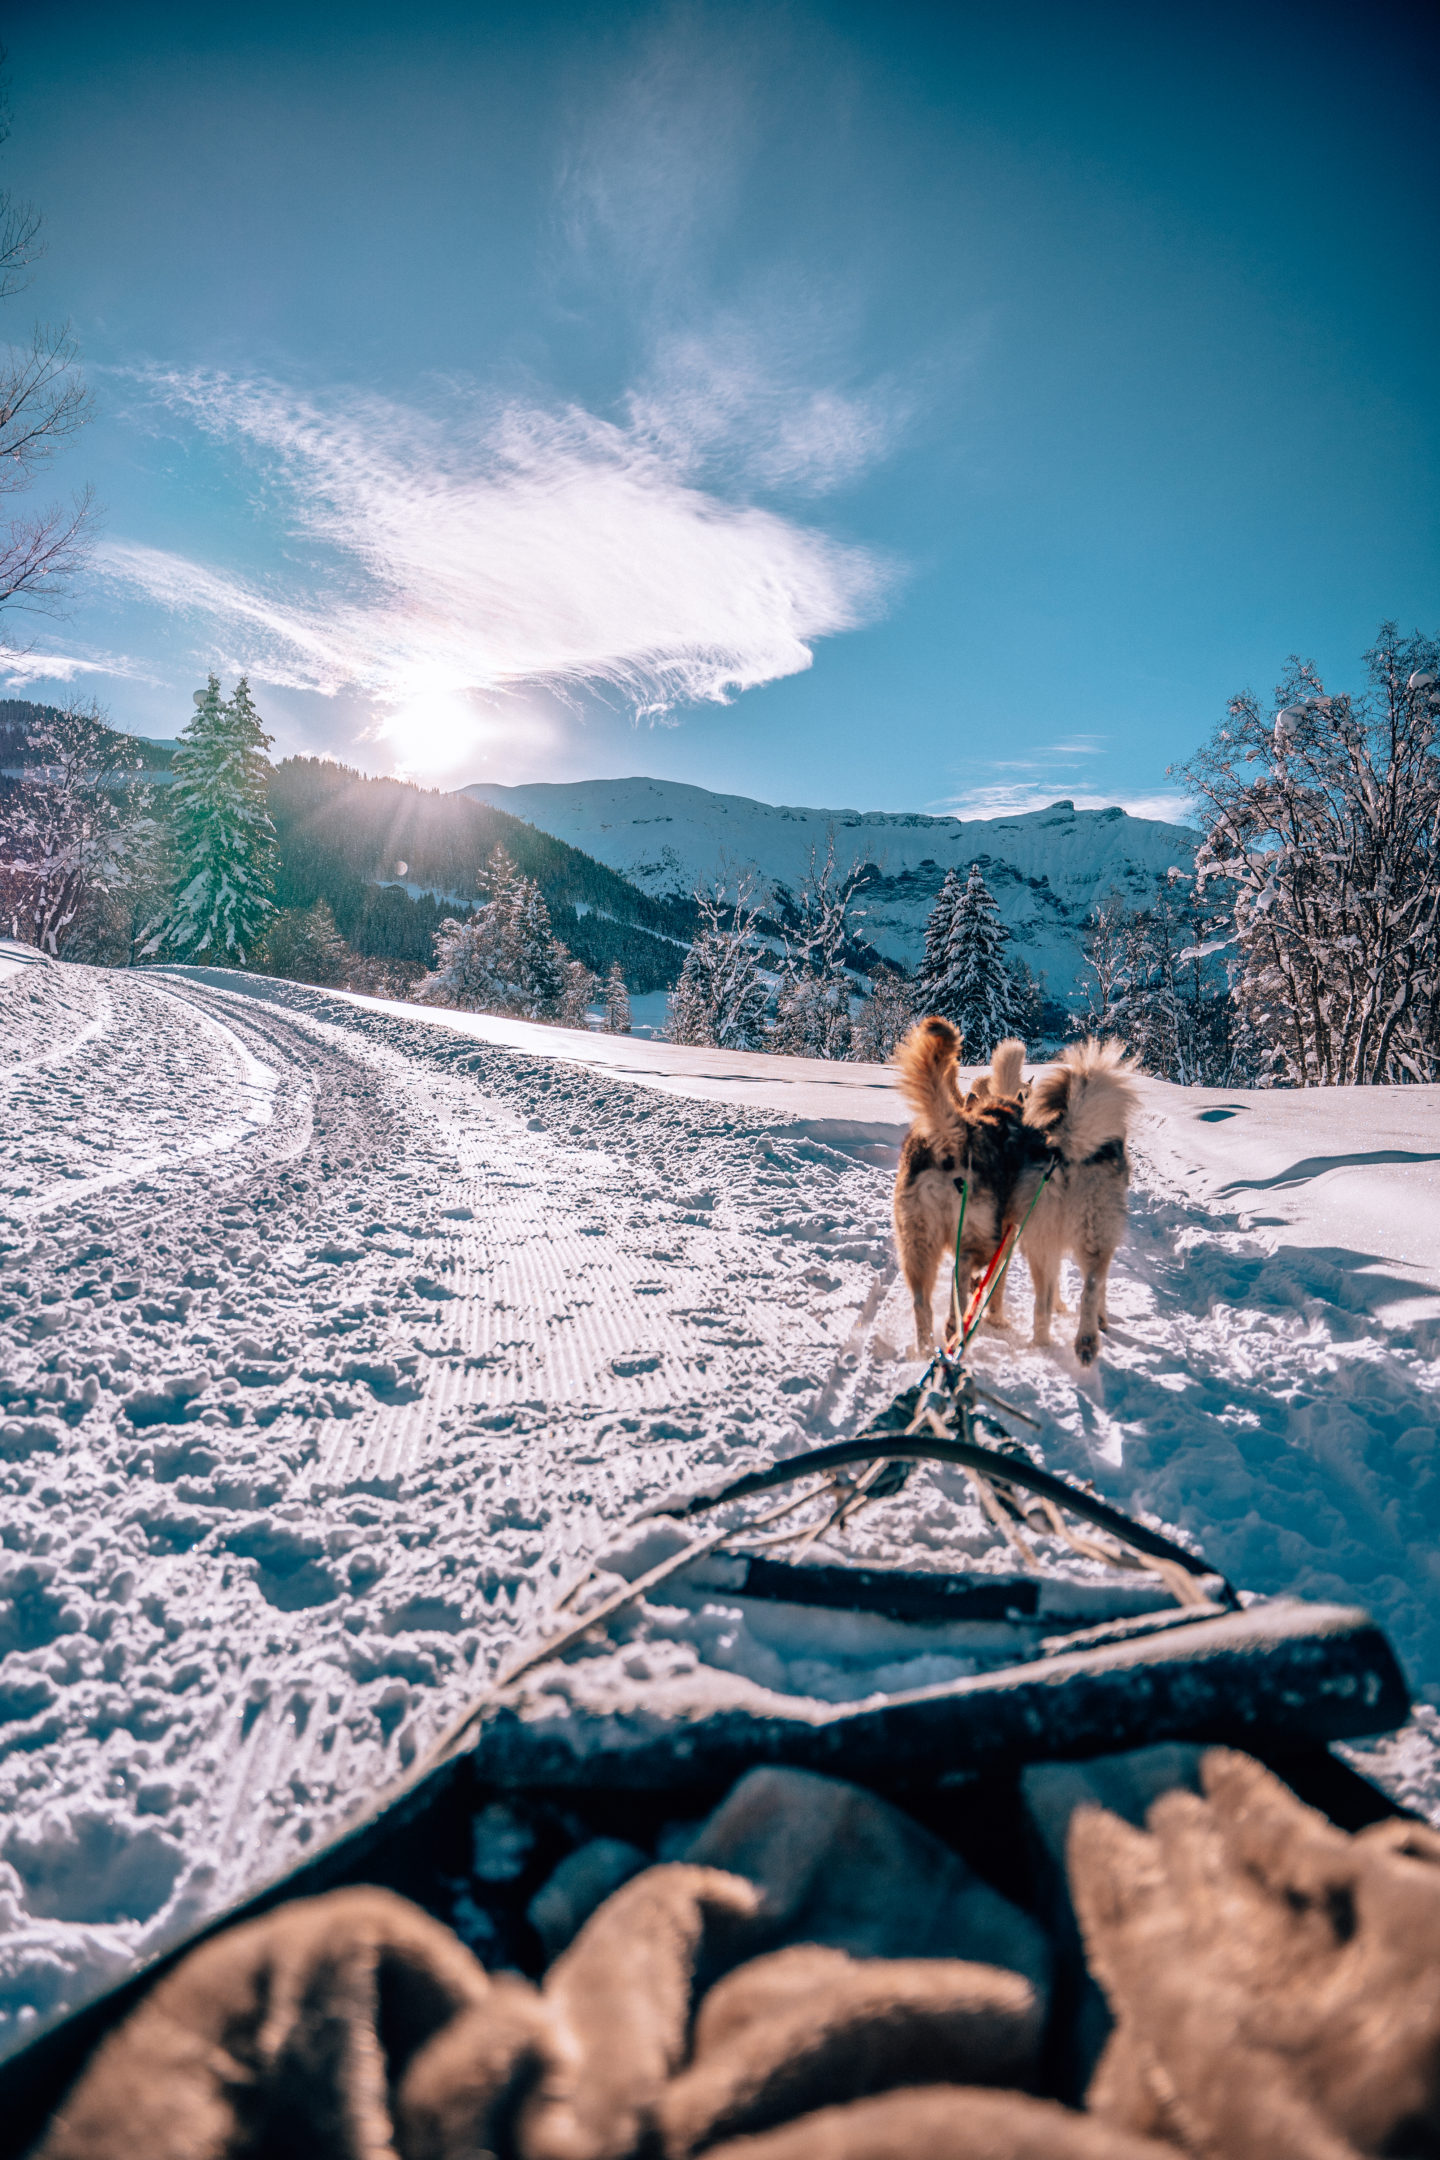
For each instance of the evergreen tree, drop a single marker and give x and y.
(579, 988)
(965, 977)
(617, 1002)
(505, 957)
(721, 998)
(539, 960)
(932, 984)
(303, 945)
(222, 839)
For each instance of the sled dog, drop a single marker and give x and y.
(998, 1143)
(1083, 1105)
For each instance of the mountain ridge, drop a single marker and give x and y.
(1047, 868)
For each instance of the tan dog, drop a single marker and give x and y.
(999, 1142)
(1083, 1105)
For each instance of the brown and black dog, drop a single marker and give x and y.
(998, 1142)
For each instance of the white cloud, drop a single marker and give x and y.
(509, 549)
(21, 670)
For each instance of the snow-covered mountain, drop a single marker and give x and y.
(1046, 868)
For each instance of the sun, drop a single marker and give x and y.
(434, 731)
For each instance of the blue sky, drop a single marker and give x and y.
(895, 406)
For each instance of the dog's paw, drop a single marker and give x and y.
(1087, 1348)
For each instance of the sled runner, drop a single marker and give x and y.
(1086, 1634)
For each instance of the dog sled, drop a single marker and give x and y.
(1078, 1634)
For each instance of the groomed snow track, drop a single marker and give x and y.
(335, 1336)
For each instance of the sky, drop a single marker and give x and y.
(885, 406)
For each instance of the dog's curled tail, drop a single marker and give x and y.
(927, 1058)
(1007, 1068)
(1087, 1099)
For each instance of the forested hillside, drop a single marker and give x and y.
(367, 845)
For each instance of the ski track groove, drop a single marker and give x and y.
(427, 1356)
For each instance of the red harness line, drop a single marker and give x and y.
(999, 1261)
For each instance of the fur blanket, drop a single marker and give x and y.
(1275, 1986)
(353, 2027)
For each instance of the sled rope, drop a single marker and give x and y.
(1000, 1260)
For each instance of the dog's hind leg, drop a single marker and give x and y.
(1095, 1267)
(920, 1258)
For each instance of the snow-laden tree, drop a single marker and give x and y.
(722, 997)
(965, 977)
(504, 958)
(617, 1002)
(932, 982)
(1152, 978)
(221, 837)
(579, 988)
(883, 1018)
(1323, 822)
(303, 945)
(74, 824)
(540, 960)
(812, 1005)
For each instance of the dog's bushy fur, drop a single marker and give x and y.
(998, 1142)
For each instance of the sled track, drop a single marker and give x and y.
(338, 1345)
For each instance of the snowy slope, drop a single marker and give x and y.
(335, 1332)
(1046, 868)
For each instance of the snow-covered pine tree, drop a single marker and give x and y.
(617, 1002)
(812, 1007)
(965, 977)
(579, 988)
(504, 958)
(932, 984)
(883, 1018)
(721, 998)
(222, 840)
(303, 945)
(539, 958)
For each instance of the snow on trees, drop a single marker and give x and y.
(812, 1006)
(579, 988)
(721, 998)
(74, 824)
(303, 945)
(222, 839)
(1323, 825)
(882, 1019)
(964, 976)
(505, 958)
(617, 1002)
(1151, 978)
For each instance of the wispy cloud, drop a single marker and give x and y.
(21, 670)
(493, 550)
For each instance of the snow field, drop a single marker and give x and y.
(300, 1430)
(338, 1335)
